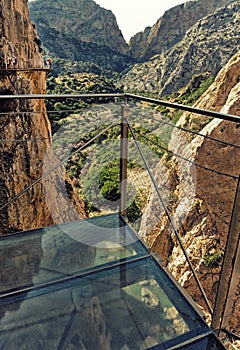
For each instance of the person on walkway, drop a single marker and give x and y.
(49, 63)
(9, 63)
(14, 62)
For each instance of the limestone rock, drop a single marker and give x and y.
(81, 30)
(205, 48)
(205, 199)
(149, 298)
(25, 128)
(138, 43)
(171, 27)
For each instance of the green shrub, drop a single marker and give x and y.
(109, 181)
(213, 259)
(110, 191)
(133, 212)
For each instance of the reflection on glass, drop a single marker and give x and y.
(97, 312)
(48, 254)
(99, 296)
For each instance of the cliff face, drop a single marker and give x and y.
(16, 29)
(206, 47)
(171, 27)
(80, 18)
(139, 42)
(24, 125)
(203, 196)
(80, 30)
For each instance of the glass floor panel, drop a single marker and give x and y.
(131, 306)
(92, 285)
(41, 255)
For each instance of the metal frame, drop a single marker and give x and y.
(222, 306)
(219, 307)
(124, 159)
(129, 96)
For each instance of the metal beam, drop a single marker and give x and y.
(228, 265)
(124, 159)
(57, 96)
(205, 112)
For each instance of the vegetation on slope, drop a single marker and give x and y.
(95, 171)
(78, 83)
(187, 96)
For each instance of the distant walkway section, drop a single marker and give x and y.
(13, 64)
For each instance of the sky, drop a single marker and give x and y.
(134, 16)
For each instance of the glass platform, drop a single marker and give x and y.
(92, 285)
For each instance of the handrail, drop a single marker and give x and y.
(213, 114)
(13, 64)
(201, 111)
(58, 96)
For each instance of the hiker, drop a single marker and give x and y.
(9, 63)
(14, 62)
(49, 62)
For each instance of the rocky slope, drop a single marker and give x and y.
(171, 27)
(80, 30)
(200, 201)
(25, 128)
(206, 47)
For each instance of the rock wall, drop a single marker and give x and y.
(200, 201)
(24, 125)
(139, 42)
(205, 48)
(85, 20)
(81, 31)
(171, 27)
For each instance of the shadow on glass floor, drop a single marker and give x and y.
(99, 296)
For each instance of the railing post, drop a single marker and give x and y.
(222, 305)
(123, 185)
(124, 159)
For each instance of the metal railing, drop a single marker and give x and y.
(127, 97)
(127, 129)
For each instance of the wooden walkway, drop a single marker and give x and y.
(11, 70)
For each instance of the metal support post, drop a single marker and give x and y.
(228, 266)
(124, 159)
(123, 185)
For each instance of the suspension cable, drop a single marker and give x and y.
(192, 132)
(20, 113)
(75, 111)
(170, 220)
(82, 147)
(189, 160)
